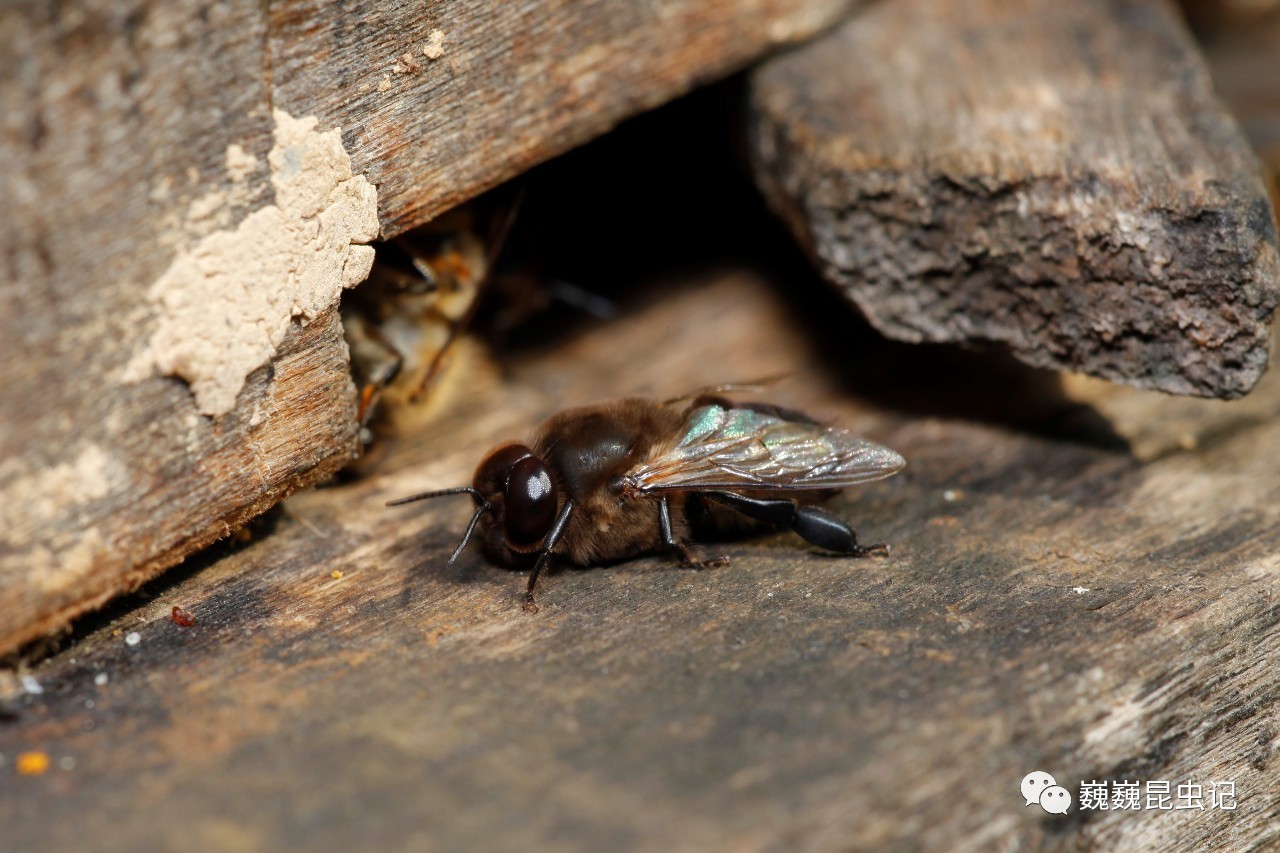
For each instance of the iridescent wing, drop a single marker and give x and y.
(738, 448)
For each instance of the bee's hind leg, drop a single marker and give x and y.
(827, 531)
(688, 556)
(809, 522)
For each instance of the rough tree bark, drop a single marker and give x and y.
(1055, 177)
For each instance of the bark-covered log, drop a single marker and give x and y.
(1055, 177)
(189, 188)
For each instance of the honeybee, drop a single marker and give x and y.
(423, 292)
(615, 480)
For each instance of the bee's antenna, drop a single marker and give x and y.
(466, 537)
(482, 506)
(439, 493)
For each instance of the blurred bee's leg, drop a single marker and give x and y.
(378, 370)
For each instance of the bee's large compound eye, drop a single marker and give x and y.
(531, 503)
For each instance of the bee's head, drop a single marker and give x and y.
(523, 494)
(516, 499)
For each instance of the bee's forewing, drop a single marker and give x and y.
(727, 448)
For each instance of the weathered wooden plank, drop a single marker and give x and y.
(1053, 602)
(968, 173)
(188, 185)
(438, 104)
(121, 506)
(140, 241)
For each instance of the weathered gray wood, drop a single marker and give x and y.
(118, 506)
(1054, 177)
(1051, 603)
(188, 184)
(512, 85)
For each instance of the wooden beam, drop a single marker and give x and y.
(189, 189)
(441, 102)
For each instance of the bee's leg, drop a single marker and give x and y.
(544, 555)
(390, 372)
(380, 375)
(809, 522)
(826, 531)
(686, 554)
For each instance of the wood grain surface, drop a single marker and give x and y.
(507, 90)
(970, 173)
(189, 186)
(1084, 581)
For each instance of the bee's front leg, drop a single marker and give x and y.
(544, 555)
(688, 556)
